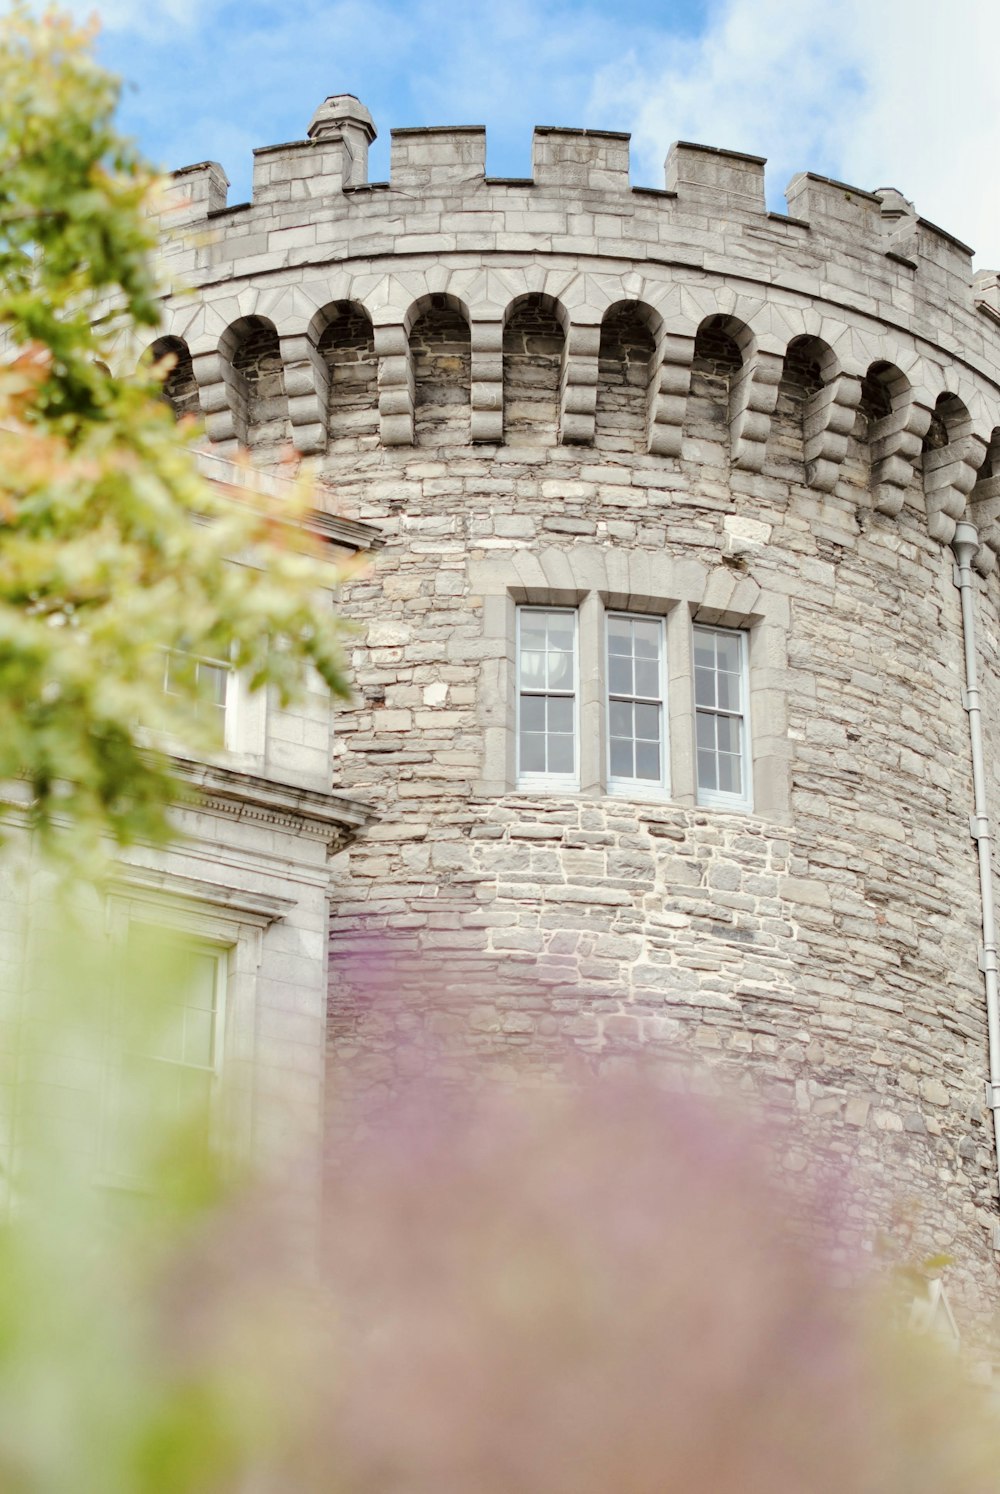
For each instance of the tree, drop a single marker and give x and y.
(114, 553)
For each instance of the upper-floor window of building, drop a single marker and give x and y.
(214, 677)
(596, 711)
(547, 714)
(636, 694)
(721, 725)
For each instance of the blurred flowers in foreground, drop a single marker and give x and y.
(590, 1286)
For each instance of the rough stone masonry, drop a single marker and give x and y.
(566, 396)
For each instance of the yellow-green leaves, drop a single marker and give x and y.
(113, 550)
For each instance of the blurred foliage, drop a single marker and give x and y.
(553, 1290)
(112, 548)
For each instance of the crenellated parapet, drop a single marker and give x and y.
(673, 482)
(325, 272)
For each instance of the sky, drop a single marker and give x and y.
(876, 93)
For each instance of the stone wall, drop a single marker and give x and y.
(673, 403)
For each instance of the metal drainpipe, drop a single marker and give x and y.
(965, 544)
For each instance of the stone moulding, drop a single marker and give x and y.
(334, 818)
(890, 289)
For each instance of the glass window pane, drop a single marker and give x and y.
(647, 678)
(560, 713)
(216, 678)
(620, 718)
(562, 630)
(648, 634)
(647, 722)
(728, 649)
(619, 635)
(532, 670)
(729, 691)
(647, 761)
(620, 674)
(532, 752)
(728, 733)
(621, 758)
(730, 776)
(704, 650)
(560, 675)
(532, 632)
(199, 982)
(198, 1032)
(706, 770)
(705, 729)
(560, 754)
(532, 712)
(704, 687)
(167, 1039)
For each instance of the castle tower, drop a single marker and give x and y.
(662, 690)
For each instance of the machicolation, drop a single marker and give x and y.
(677, 673)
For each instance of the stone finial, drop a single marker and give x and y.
(343, 117)
(894, 205)
(986, 293)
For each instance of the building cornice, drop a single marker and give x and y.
(333, 818)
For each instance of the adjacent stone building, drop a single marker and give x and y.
(664, 699)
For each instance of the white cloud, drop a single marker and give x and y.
(876, 92)
(154, 20)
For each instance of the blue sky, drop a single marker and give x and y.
(875, 92)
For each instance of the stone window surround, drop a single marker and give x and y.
(714, 798)
(231, 923)
(596, 580)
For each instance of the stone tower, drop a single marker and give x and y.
(684, 622)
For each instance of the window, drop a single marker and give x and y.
(547, 717)
(635, 703)
(213, 678)
(721, 727)
(621, 686)
(172, 1006)
(233, 717)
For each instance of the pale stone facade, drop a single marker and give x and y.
(246, 883)
(565, 393)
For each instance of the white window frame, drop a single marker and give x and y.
(221, 949)
(564, 783)
(232, 920)
(721, 798)
(228, 711)
(244, 716)
(638, 788)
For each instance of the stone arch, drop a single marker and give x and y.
(440, 349)
(626, 360)
(180, 387)
(752, 386)
(952, 457)
(345, 340)
(808, 365)
(534, 350)
(252, 347)
(719, 347)
(873, 456)
(984, 506)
